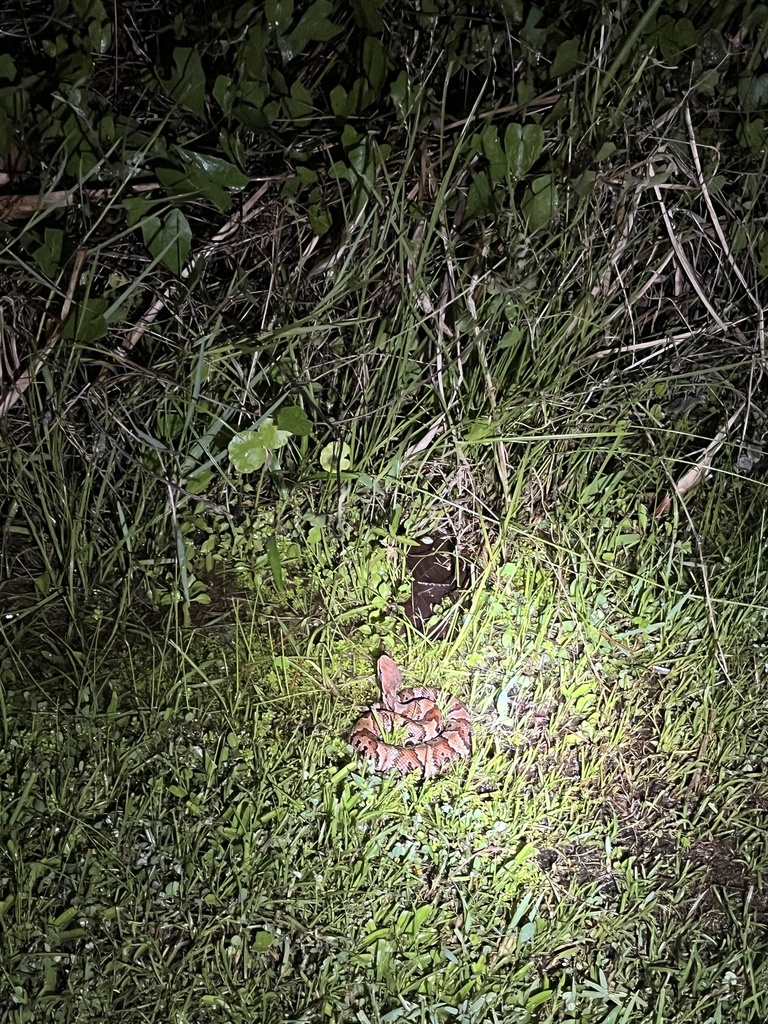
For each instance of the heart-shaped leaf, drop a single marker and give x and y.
(269, 436)
(335, 456)
(294, 420)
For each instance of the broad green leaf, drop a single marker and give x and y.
(338, 98)
(480, 199)
(252, 57)
(522, 144)
(298, 106)
(540, 202)
(314, 27)
(481, 431)
(245, 452)
(358, 157)
(539, 998)
(753, 91)
(278, 14)
(567, 59)
(375, 63)
(200, 174)
(335, 456)
(251, 108)
(275, 563)
(100, 36)
(607, 149)
(320, 220)
(48, 255)
(199, 481)
(187, 82)
(530, 33)
(675, 36)
(43, 582)
(493, 153)
(222, 93)
(86, 323)
(367, 14)
(168, 240)
(511, 338)
(400, 92)
(136, 208)
(213, 168)
(350, 137)
(261, 942)
(294, 420)
(7, 67)
(269, 436)
(752, 135)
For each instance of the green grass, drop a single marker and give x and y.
(517, 267)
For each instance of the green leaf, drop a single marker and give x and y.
(100, 36)
(314, 26)
(567, 59)
(674, 37)
(319, 220)
(168, 240)
(753, 135)
(48, 255)
(511, 338)
(480, 199)
(202, 167)
(523, 145)
(294, 420)
(269, 436)
(136, 209)
(607, 149)
(367, 14)
(200, 174)
(262, 941)
(245, 452)
(540, 202)
(375, 63)
(222, 93)
(186, 85)
(43, 583)
(198, 482)
(494, 154)
(335, 456)
(275, 564)
(753, 91)
(530, 33)
(278, 14)
(400, 92)
(299, 106)
(7, 67)
(338, 98)
(86, 323)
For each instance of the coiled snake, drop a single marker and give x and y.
(434, 738)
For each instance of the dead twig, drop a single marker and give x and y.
(698, 472)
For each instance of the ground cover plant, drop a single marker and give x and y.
(294, 294)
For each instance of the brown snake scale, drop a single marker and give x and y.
(434, 739)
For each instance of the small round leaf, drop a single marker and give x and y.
(335, 456)
(246, 453)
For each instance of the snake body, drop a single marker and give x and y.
(434, 738)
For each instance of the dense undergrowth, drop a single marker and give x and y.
(289, 289)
